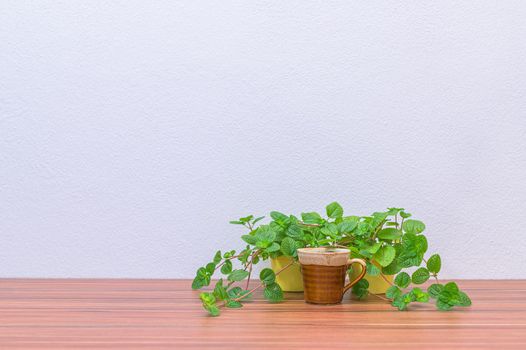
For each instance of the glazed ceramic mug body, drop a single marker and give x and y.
(324, 271)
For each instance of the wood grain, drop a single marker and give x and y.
(166, 314)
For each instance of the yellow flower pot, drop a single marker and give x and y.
(289, 280)
(377, 285)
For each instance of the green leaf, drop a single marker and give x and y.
(294, 231)
(265, 234)
(385, 255)
(267, 276)
(220, 291)
(210, 268)
(288, 246)
(273, 292)
(330, 230)
(374, 248)
(217, 257)
(409, 298)
(235, 222)
(366, 253)
(378, 218)
(237, 275)
(394, 211)
(404, 214)
(442, 305)
(402, 280)
(233, 304)
(213, 310)
(257, 219)
(434, 263)
(399, 303)
(464, 300)
(360, 289)
(334, 210)
(419, 295)
(363, 229)
(237, 292)
(451, 287)
(421, 244)
(263, 244)
(229, 254)
(279, 217)
(414, 226)
(408, 259)
(244, 255)
(227, 267)
(391, 269)
(202, 278)
(209, 301)
(311, 218)
(250, 239)
(393, 292)
(273, 248)
(246, 219)
(412, 251)
(198, 283)
(420, 275)
(372, 270)
(207, 298)
(389, 233)
(434, 290)
(451, 296)
(347, 226)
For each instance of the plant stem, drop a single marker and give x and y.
(340, 246)
(232, 257)
(309, 225)
(347, 240)
(261, 284)
(378, 229)
(434, 274)
(250, 266)
(379, 296)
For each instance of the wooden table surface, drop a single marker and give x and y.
(166, 314)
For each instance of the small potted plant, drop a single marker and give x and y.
(386, 241)
(391, 243)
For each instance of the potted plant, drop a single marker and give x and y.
(387, 244)
(397, 243)
(274, 239)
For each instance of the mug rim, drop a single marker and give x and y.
(323, 250)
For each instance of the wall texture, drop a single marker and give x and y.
(132, 131)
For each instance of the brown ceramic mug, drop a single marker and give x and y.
(324, 271)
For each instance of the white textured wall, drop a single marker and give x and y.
(131, 132)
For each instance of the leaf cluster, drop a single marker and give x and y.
(397, 244)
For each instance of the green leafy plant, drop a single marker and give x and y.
(389, 241)
(396, 243)
(283, 236)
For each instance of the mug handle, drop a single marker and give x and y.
(362, 273)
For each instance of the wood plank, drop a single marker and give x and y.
(162, 314)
